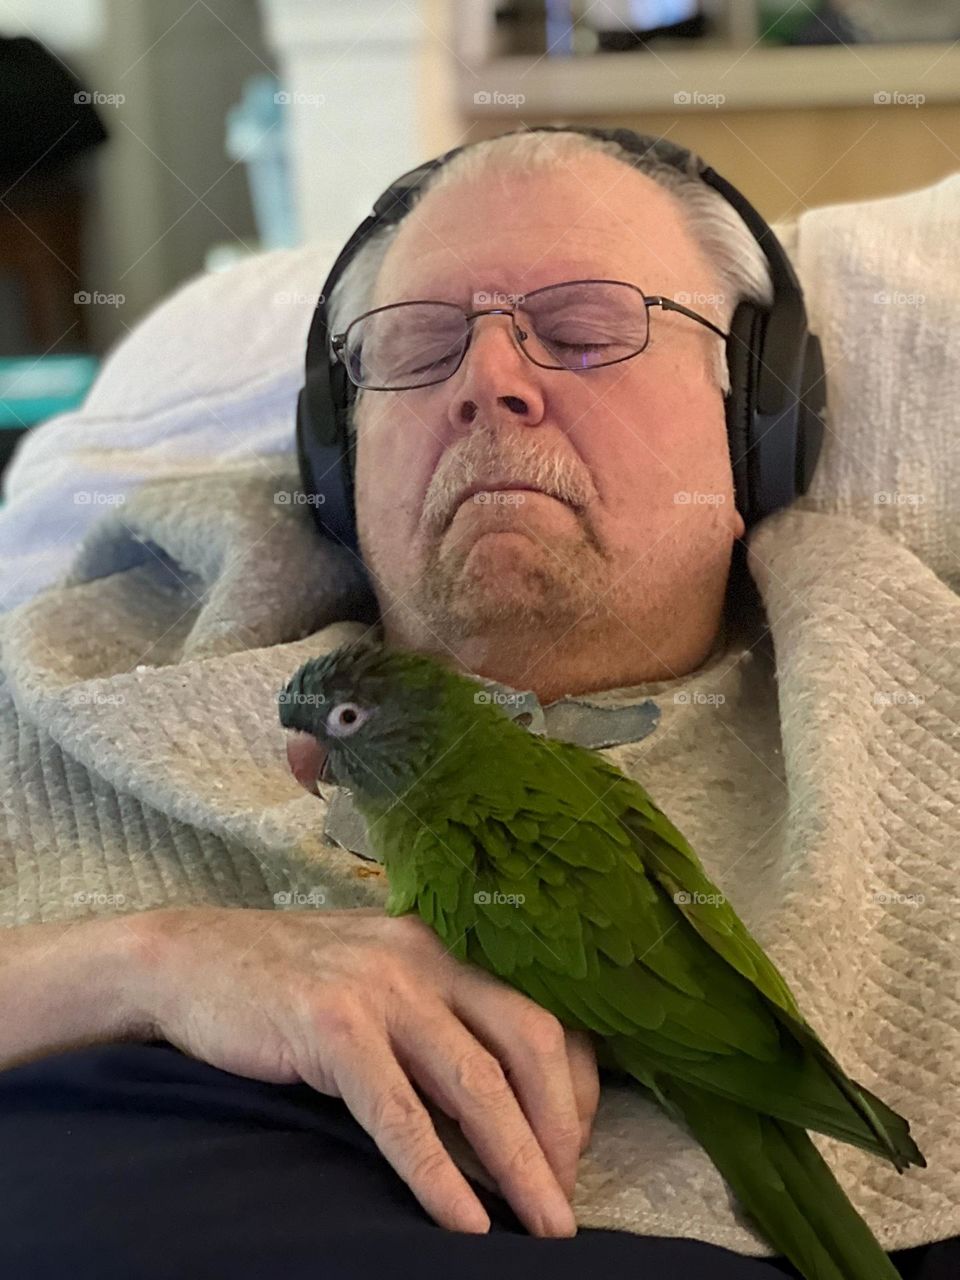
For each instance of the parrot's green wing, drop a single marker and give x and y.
(588, 899)
(547, 866)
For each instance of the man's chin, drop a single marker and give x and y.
(502, 542)
(496, 561)
(502, 582)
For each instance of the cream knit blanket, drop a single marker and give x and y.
(142, 762)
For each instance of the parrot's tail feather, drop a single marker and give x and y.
(854, 1115)
(784, 1184)
(892, 1132)
(889, 1132)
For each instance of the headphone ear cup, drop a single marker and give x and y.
(813, 409)
(744, 339)
(323, 455)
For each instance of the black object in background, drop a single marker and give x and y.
(42, 125)
(48, 127)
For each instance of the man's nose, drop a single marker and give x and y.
(496, 374)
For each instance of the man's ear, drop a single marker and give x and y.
(739, 527)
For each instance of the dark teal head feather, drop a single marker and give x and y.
(413, 711)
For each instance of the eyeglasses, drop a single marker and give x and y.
(576, 326)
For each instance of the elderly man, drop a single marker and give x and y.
(596, 575)
(603, 578)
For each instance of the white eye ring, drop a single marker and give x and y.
(345, 719)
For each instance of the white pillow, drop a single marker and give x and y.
(882, 284)
(209, 378)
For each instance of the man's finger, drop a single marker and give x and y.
(382, 1099)
(538, 1067)
(468, 1082)
(586, 1081)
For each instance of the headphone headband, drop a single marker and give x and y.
(774, 409)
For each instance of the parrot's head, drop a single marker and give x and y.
(373, 719)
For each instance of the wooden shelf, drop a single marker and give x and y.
(725, 79)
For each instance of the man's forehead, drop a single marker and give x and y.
(458, 273)
(454, 261)
(459, 281)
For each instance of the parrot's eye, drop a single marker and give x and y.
(346, 718)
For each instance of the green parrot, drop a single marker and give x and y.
(544, 864)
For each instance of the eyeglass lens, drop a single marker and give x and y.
(575, 326)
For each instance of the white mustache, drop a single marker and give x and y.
(480, 456)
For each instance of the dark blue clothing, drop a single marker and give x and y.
(137, 1162)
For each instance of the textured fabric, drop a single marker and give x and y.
(882, 290)
(144, 763)
(135, 1161)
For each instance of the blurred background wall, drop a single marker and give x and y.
(161, 189)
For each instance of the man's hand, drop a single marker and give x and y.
(365, 1007)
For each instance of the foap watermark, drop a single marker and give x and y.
(898, 698)
(288, 98)
(92, 898)
(296, 698)
(88, 698)
(314, 897)
(290, 298)
(694, 98)
(497, 98)
(695, 498)
(697, 299)
(296, 497)
(897, 498)
(897, 298)
(84, 298)
(93, 97)
(900, 899)
(497, 698)
(896, 98)
(500, 497)
(484, 898)
(695, 697)
(497, 299)
(696, 899)
(98, 498)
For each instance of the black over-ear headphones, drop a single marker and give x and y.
(774, 409)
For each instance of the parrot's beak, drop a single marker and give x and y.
(309, 760)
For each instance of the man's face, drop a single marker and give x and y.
(639, 527)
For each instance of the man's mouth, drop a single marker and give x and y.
(470, 491)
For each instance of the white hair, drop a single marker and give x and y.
(739, 263)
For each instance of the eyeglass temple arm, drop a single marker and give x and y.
(669, 305)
